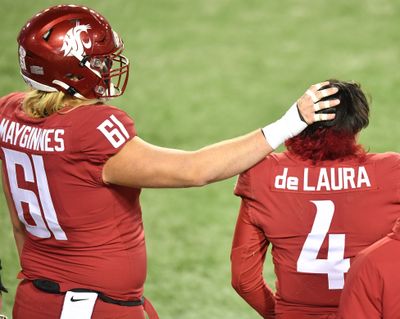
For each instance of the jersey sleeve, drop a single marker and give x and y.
(106, 130)
(106, 133)
(243, 186)
(247, 256)
(361, 297)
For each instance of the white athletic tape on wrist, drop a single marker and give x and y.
(286, 127)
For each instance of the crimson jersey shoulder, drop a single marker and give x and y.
(102, 130)
(8, 103)
(258, 173)
(388, 160)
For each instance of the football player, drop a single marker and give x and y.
(372, 286)
(74, 167)
(317, 204)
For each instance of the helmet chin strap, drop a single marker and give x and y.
(69, 89)
(46, 88)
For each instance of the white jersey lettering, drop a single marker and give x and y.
(324, 179)
(114, 131)
(32, 138)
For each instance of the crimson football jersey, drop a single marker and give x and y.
(317, 218)
(372, 287)
(81, 232)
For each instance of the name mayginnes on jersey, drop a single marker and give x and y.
(33, 138)
(322, 179)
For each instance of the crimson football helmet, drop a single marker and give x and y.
(73, 49)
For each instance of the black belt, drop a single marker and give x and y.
(53, 287)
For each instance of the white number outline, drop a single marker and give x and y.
(335, 266)
(50, 222)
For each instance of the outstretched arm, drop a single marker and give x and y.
(140, 164)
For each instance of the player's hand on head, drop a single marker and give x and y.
(310, 103)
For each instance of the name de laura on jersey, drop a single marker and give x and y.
(323, 178)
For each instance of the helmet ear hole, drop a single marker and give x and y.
(74, 77)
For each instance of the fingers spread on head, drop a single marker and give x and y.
(317, 107)
(323, 117)
(327, 92)
(317, 86)
(323, 105)
(328, 104)
(312, 95)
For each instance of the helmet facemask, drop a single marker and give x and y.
(113, 73)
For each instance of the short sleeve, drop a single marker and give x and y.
(243, 185)
(98, 133)
(106, 130)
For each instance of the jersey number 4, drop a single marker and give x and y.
(36, 174)
(335, 266)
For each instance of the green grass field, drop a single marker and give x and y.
(208, 70)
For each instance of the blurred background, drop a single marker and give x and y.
(203, 71)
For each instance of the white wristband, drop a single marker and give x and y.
(289, 125)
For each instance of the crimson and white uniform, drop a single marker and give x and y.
(372, 286)
(81, 233)
(317, 218)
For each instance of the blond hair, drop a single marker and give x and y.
(40, 104)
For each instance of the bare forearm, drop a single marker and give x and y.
(228, 158)
(144, 165)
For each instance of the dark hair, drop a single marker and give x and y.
(352, 115)
(335, 139)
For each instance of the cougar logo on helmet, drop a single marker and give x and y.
(73, 44)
